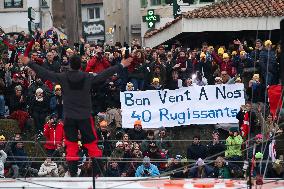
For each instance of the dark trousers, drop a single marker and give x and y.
(49, 152)
(39, 120)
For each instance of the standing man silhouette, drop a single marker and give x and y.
(76, 86)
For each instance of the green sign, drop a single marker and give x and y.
(151, 18)
(31, 13)
(31, 16)
(32, 26)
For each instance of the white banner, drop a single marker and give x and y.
(209, 104)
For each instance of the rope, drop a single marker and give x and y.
(136, 161)
(183, 167)
(44, 142)
(30, 182)
(278, 107)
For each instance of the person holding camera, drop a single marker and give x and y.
(98, 62)
(147, 169)
(48, 169)
(77, 106)
(53, 132)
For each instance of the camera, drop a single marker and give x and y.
(146, 172)
(55, 122)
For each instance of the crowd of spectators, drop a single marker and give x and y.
(37, 105)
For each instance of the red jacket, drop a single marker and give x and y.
(96, 65)
(136, 63)
(245, 126)
(53, 135)
(29, 48)
(225, 66)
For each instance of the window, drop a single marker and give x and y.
(91, 13)
(156, 2)
(44, 3)
(97, 12)
(13, 3)
(143, 3)
(94, 13)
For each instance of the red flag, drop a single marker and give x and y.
(274, 95)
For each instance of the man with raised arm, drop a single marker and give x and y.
(76, 86)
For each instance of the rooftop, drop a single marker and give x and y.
(231, 9)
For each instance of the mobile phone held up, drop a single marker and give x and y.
(126, 55)
(125, 51)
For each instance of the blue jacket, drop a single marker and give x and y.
(241, 64)
(55, 107)
(141, 171)
(267, 57)
(208, 171)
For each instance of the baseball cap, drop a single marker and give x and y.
(2, 138)
(146, 159)
(138, 122)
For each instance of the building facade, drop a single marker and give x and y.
(165, 11)
(249, 19)
(93, 20)
(122, 21)
(68, 18)
(14, 14)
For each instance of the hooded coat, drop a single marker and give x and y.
(76, 87)
(3, 157)
(48, 169)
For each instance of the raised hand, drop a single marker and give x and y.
(25, 60)
(82, 40)
(237, 42)
(126, 62)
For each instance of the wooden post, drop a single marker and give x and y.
(73, 20)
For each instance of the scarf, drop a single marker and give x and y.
(245, 126)
(272, 151)
(39, 99)
(254, 86)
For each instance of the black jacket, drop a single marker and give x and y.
(263, 148)
(76, 86)
(213, 149)
(172, 84)
(176, 171)
(137, 135)
(112, 98)
(55, 66)
(39, 106)
(252, 118)
(110, 172)
(15, 104)
(205, 67)
(258, 94)
(196, 151)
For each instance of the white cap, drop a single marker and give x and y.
(39, 90)
(200, 162)
(118, 143)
